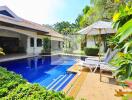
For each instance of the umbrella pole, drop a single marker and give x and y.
(99, 45)
(100, 53)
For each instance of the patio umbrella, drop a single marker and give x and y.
(98, 28)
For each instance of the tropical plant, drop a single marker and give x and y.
(126, 95)
(123, 23)
(65, 28)
(125, 66)
(46, 45)
(1, 52)
(14, 87)
(83, 19)
(104, 8)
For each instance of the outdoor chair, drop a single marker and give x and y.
(103, 65)
(92, 63)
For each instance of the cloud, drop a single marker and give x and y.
(40, 11)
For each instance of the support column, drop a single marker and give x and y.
(35, 45)
(28, 45)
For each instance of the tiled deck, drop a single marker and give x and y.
(18, 56)
(93, 89)
(74, 86)
(88, 86)
(14, 57)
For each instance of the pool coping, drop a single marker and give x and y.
(71, 70)
(5, 59)
(22, 57)
(80, 75)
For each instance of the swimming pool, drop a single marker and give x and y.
(48, 71)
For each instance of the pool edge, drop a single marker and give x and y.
(73, 87)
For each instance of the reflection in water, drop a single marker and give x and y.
(35, 62)
(44, 68)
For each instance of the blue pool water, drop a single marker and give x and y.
(48, 71)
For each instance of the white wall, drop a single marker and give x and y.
(35, 49)
(54, 45)
(75, 42)
(91, 42)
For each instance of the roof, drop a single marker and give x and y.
(15, 20)
(52, 32)
(106, 28)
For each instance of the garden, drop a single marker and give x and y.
(14, 87)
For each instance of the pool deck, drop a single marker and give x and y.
(11, 57)
(87, 85)
(93, 89)
(75, 84)
(14, 57)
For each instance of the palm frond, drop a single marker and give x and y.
(125, 31)
(127, 45)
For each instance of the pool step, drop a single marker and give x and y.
(58, 83)
(55, 80)
(63, 82)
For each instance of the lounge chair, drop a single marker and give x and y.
(103, 65)
(92, 63)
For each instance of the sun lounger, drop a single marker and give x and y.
(104, 65)
(91, 64)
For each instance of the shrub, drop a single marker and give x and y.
(46, 44)
(14, 87)
(91, 51)
(124, 63)
(68, 50)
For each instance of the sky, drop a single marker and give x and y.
(46, 11)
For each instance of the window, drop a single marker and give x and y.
(63, 44)
(59, 44)
(6, 13)
(31, 42)
(39, 43)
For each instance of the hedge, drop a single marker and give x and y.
(14, 87)
(91, 51)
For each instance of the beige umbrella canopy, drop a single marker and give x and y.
(98, 28)
(106, 28)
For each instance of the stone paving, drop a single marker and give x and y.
(93, 89)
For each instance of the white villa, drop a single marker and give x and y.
(18, 35)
